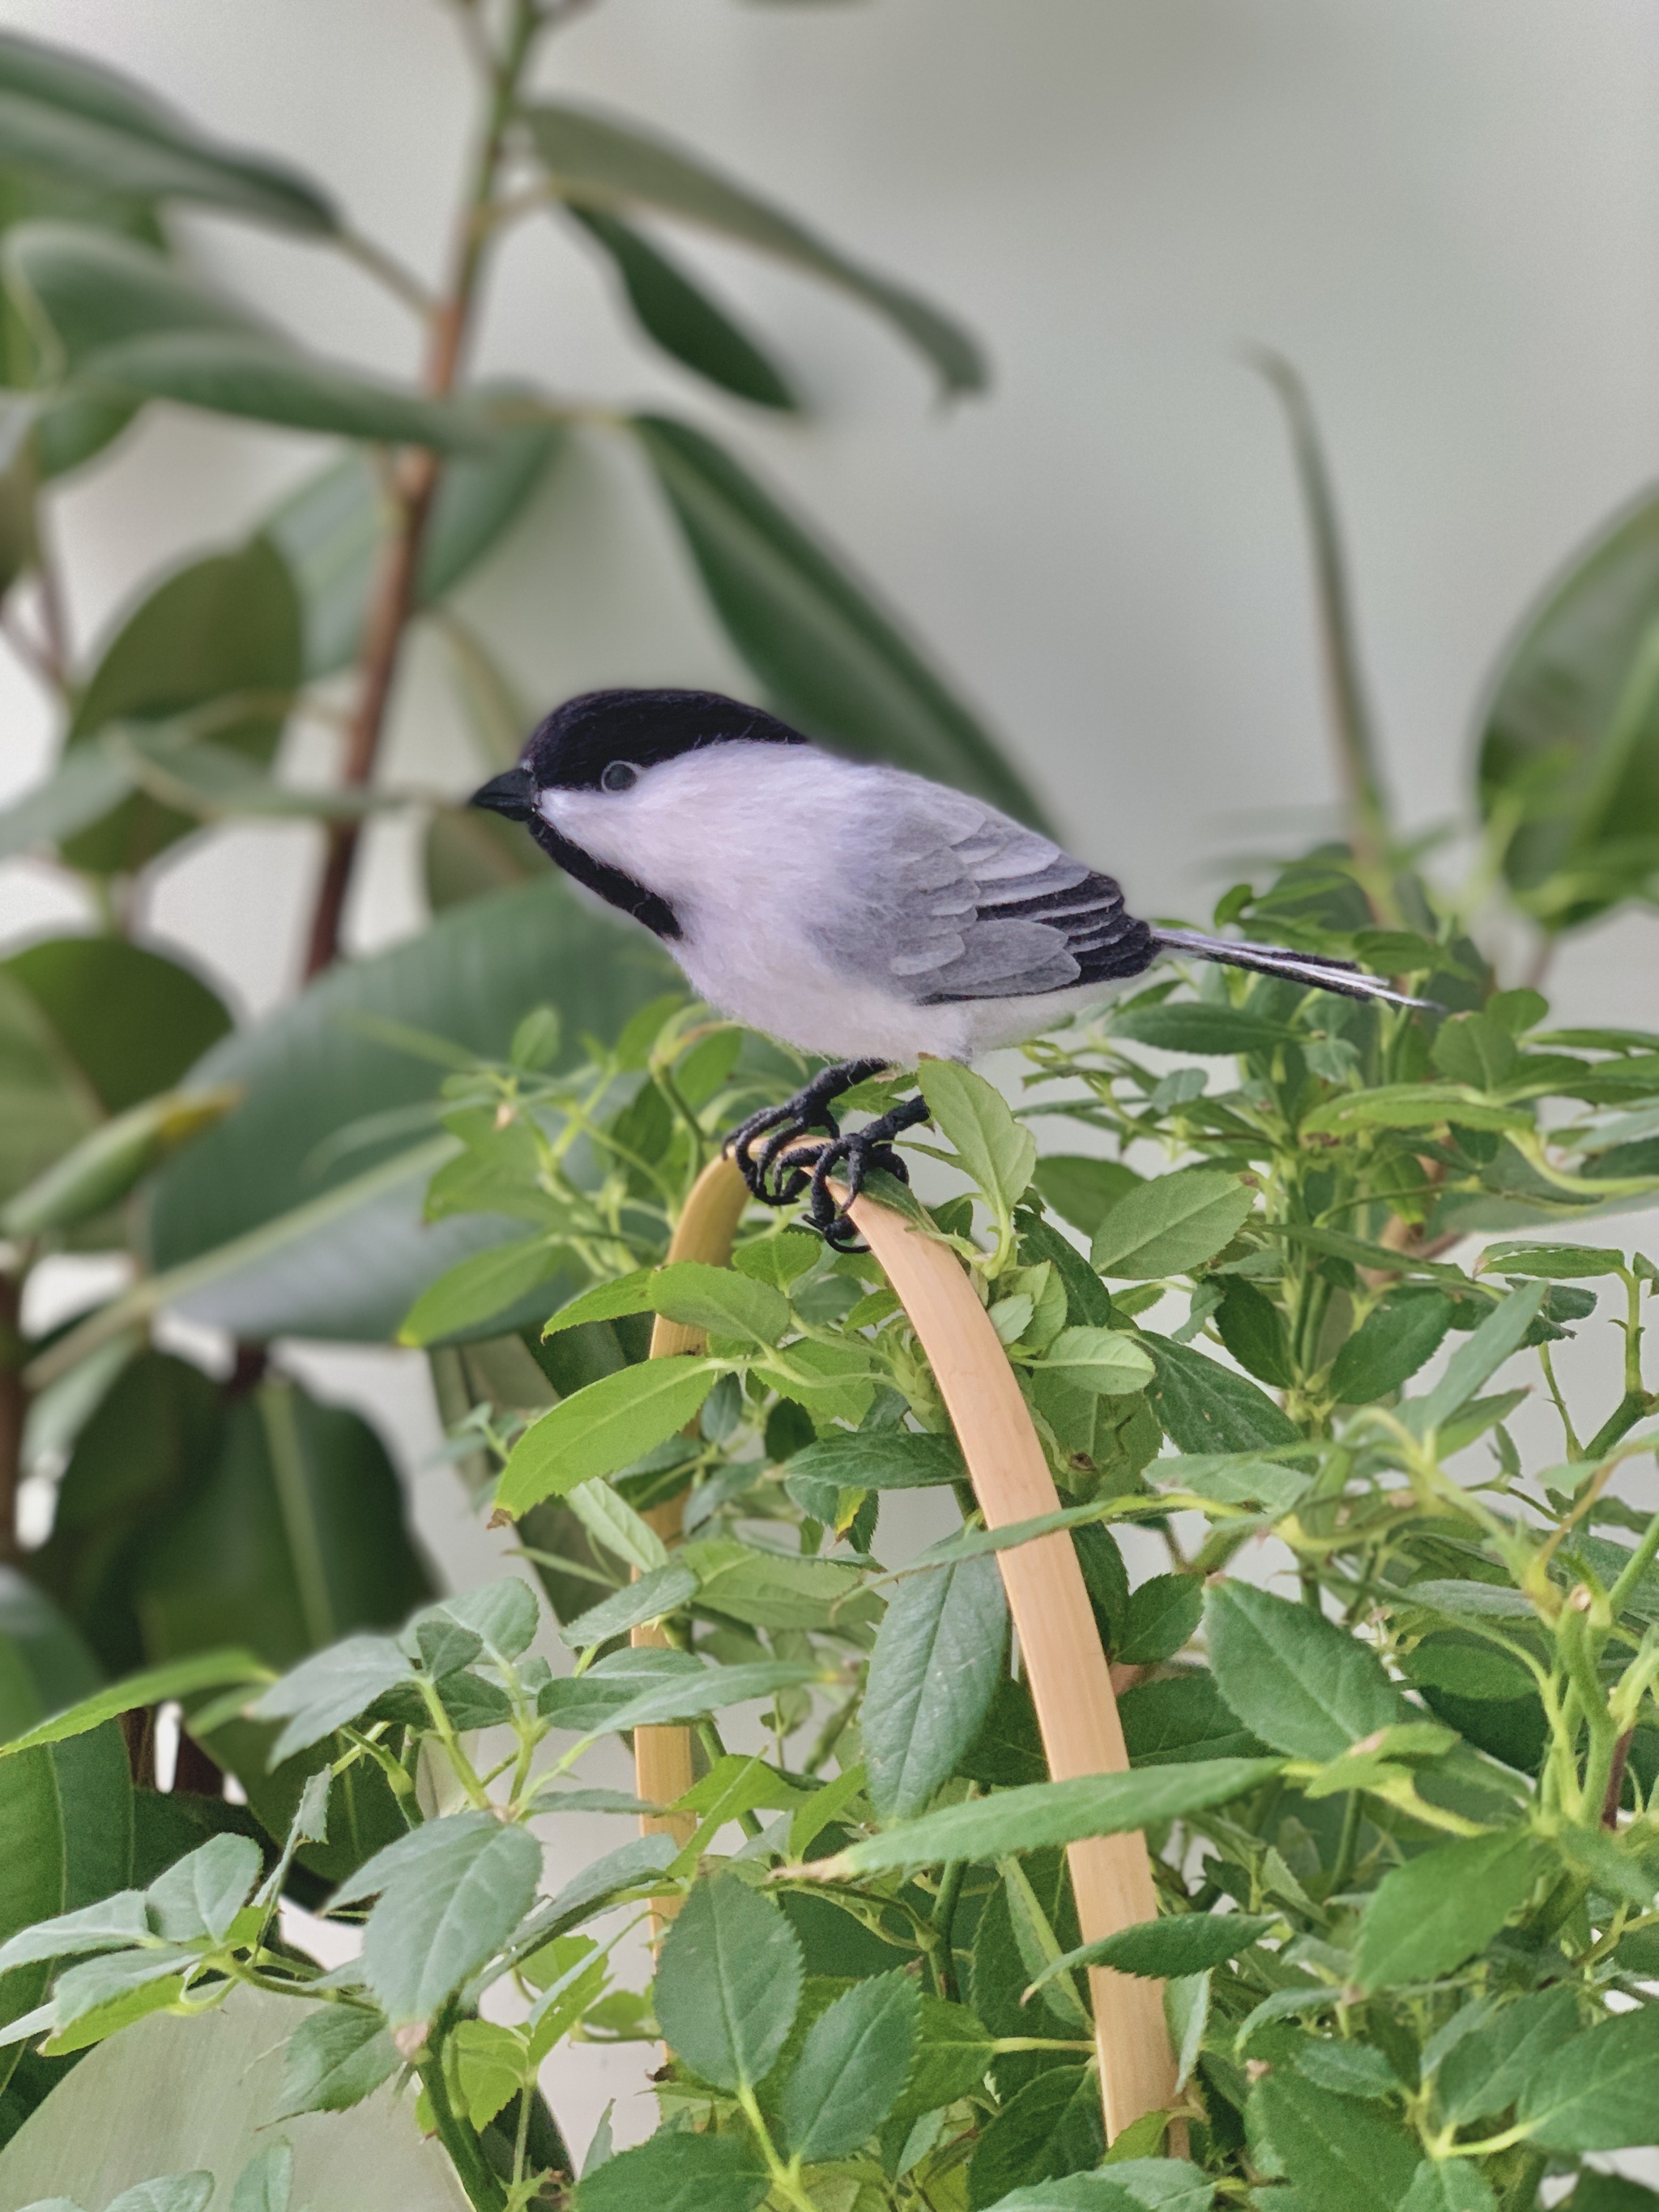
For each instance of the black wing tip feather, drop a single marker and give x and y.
(1346, 978)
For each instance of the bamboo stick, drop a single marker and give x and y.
(1060, 1645)
(662, 1756)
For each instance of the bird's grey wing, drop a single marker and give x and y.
(962, 902)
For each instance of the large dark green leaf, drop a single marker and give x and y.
(1340, 2155)
(728, 1983)
(681, 318)
(1297, 1680)
(1206, 1408)
(1426, 1918)
(1571, 736)
(330, 529)
(77, 121)
(829, 658)
(939, 1652)
(87, 1025)
(1053, 2127)
(225, 629)
(311, 1075)
(599, 161)
(66, 1809)
(94, 288)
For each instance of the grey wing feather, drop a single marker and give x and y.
(965, 903)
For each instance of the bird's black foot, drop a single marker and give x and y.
(848, 1160)
(755, 1145)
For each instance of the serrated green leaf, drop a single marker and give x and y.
(660, 1591)
(1474, 1363)
(1171, 1225)
(1338, 2155)
(603, 1428)
(1426, 1918)
(337, 2056)
(441, 1918)
(937, 1655)
(1206, 1409)
(1104, 1362)
(201, 1894)
(180, 1678)
(1390, 1345)
(482, 1284)
(1184, 1943)
(331, 1687)
(675, 2172)
(851, 2067)
(728, 1983)
(996, 1151)
(1597, 2092)
(1163, 1617)
(1487, 2069)
(1292, 1677)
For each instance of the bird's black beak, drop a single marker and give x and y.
(512, 793)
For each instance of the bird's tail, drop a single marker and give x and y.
(1343, 976)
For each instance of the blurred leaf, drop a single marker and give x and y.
(103, 1167)
(603, 1428)
(1051, 2128)
(830, 660)
(331, 528)
(681, 318)
(1596, 2093)
(728, 1983)
(937, 1655)
(479, 1287)
(75, 118)
(1055, 1813)
(1488, 2068)
(1424, 1918)
(94, 288)
(851, 2067)
(1172, 1226)
(132, 1021)
(225, 629)
(1297, 1680)
(1218, 1030)
(595, 161)
(1571, 745)
(309, 1072)
(65, 1806)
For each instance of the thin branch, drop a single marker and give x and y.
(386, 269)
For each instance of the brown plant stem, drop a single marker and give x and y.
(392, 598)
(1616, 1779)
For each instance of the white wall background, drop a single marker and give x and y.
(1447, 215)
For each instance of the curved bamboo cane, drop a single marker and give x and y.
(1060, 1645)
(705, 1231)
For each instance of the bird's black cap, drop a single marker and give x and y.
(512, 793)
(572, 748)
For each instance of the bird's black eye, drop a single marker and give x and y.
(621, 775)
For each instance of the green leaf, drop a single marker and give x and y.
(1338, 2155)
(851, 2067)
(879, 1459)
(103, 1167)
(603, 1428)
(1390, 1345)
(1051, 2128)
(1411, 1106)
(1206, 1030)
(220, 635)
(937, 1655)
(628, 1294)
(1456, 2184)
(330, 529)
(1234, 1479)
(1570, 735)
(441, 1918)
(479, 1287)
(831, 659)
(173, 2193)
(1168, 1949)
(1206, 1409)
(62, 116)
(334, 1686)
(1054, 1813)
(1171, 1225)
(351, 1270)
(662, 1591)
(1597, 2091)
(1293, 1678)
(720, 1300)
(1426, 1918)
(1253, 1329)
(1474, 1363)
(1082, 1190)
(597, 162)
(681, 318)
(201, 1895)
(335, 2057)
(1487, 2069)
(1163, 1618)
(1104, 1362)
(265, 2182)
(673, 2171)
(1129, 2184)
(996, 1151)
(953, 2053)
(1553, 1262)
(728, 1983)
(205, 1670)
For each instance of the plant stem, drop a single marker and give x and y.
(13, 1409)
(483, 2190)
(391, 603)
(944, 1917)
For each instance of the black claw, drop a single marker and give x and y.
(771, 1177)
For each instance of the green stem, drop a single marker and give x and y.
(485, 2192)
(944, 1919)
(1347, 1849)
